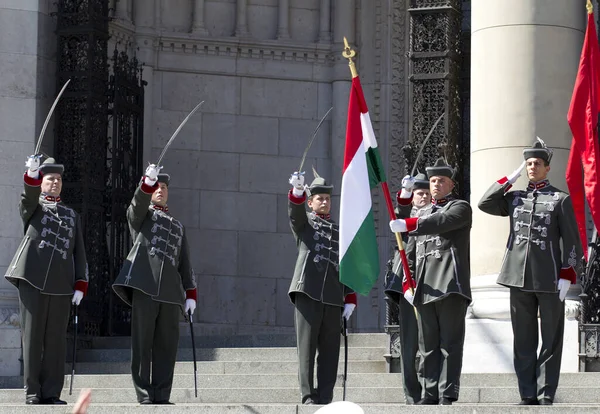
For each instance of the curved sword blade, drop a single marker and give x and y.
(39, 141)
(412, 173)
(164, 151)
(314, 135)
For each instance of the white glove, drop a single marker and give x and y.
(33, 164)
(409, 296)
(77, 296)
(348, 309)
(151, 174)
(190, 305)
(408, 183)
(297, 181)
(563, 288)
(398, 226)
(514, 176)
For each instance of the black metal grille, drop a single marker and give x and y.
(125, 168)
(435, 86)
(99, 169)
(81, 138)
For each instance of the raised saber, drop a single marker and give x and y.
(314, 135)
(412, 173)
(164, 151)
(39, 141)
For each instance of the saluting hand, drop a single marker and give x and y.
(514, 176)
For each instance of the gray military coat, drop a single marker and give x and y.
(543, 237)
(316, 272)
(441, 254)
(158, 263)
(51, 256)
(394, 287)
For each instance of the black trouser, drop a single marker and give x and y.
(44, 321)
(154, 340)
(317, 329)
(537, 375)
(409, 347)
(441, 343)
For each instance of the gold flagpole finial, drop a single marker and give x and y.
(349, 53)
(589, 6)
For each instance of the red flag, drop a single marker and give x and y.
(583, 120)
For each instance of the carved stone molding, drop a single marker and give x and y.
(9, 317)
(310, 53)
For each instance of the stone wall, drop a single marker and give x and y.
(27, 64)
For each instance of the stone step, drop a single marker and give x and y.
(230, 381)
(228, 354)
(105, 408)
(270, 380)
(226, 367)
(290, 395)
(242, 341)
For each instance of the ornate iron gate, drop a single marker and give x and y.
(434, 89)
(124, 162)
(99, 168)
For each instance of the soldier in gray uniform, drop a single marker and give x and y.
(414, 200)
(157, 281)
(542, 255)
(443, 292)
(48, 268)
(316, 292)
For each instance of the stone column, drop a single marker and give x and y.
(283, 32)
(525, 55)
(24, 103)
(325, 21)
(198, 21)
(122, 10)
(241, 19)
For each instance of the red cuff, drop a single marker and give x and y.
(411, 224)
(569, 274)
(351, 298)
(403, 201)
(32, 182)
(191, 294)
(146, 188)
(81, 285)
(296, 200)
(503, 181)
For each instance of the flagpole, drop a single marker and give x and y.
(349, 53)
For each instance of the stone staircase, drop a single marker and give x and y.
(257, 374)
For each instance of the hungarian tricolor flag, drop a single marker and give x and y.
(583, 120)
(363, 170)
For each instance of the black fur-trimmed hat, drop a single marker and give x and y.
(421, 182)
(164, 178)
(319, 185)
(49, 166)
(440, 168)
(539, 149)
